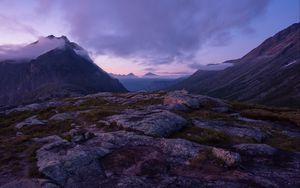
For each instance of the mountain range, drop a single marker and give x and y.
(56, 68)
(269, 74)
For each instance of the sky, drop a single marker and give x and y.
(166, 37)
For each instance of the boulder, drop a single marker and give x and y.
(71, 165)
(63, 116)
(159, 123)
(182, 101)
(30, 183)
(30, 121)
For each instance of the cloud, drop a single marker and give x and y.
(12, 25)
(214, 67)
(157, 31)
(31, 51)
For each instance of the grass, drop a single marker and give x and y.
(268, 113)
(284, 142)
(209, 137)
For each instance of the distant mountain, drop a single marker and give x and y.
(51, 67)
(150, 74)
(269, 74)
(121, 76)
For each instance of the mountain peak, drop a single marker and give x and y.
(150, 74)
(131, 74)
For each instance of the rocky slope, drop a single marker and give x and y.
(268, 75)
(65, 70)
(157, 139)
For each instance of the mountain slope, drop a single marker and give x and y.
(268, 75)
(62, 71)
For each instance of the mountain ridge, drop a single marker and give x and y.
(56, 73)
(261, 76)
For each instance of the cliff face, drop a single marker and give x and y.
(59, 72)
(269, 74)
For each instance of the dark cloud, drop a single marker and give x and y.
(158, 31)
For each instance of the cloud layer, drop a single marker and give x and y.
(31, 51)
(157, 31)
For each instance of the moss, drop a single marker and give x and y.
(284, 142)
(96, 115)
(51, 128)
(31, 159)
(205, 114)
(209, 137)
(203, 136)
(261, 114)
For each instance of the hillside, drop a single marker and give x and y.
(268, 75)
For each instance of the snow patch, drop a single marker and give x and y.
(31, 51)
(290, 63)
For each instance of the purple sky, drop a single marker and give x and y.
(161, 36)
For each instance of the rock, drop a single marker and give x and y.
(154, 123)
(180, 150)
(36, 106)
(48, 139)
(229, 158)
(71, 165)
(256, 149)
(63, 116)
(30, 121)
(231, 129)
(19, 134)
(30, 183)
(180, 100)
(104, 123)
(80, 135)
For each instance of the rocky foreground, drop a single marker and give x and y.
(148, 140)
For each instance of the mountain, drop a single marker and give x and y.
(123, 76)
(269, 74)
(150, 74)
(51, 67)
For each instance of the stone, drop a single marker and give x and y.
(63, 116)
(30, 183)
(231, 129)
(180, 100)
(71, 165)
(256, 149)
(159, 123)
(29, 122)
(230, 158)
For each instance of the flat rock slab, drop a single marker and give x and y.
(29, 122)
(233, 130)
(70, 165)
(182, 101)
(159, 123)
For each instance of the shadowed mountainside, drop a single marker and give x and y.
(268, 75)
(63, 71)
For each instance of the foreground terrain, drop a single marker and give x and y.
(156, 139)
